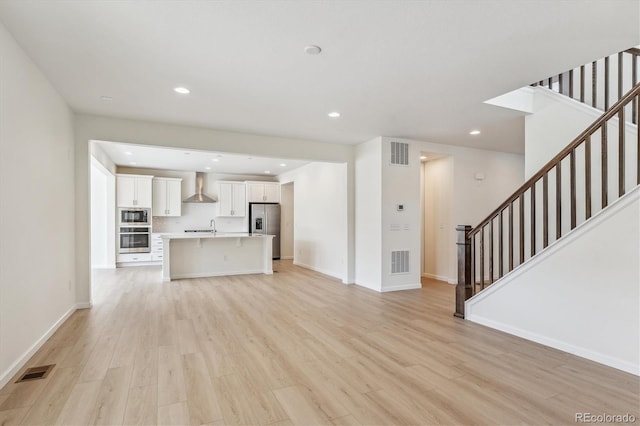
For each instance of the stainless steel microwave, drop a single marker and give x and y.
(135, 216)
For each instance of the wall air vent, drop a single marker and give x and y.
(400, 262)
(399, 154)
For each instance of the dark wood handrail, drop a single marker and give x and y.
(633, 51)
(614, 110)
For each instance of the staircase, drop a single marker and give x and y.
(600, 83)
(598, 167)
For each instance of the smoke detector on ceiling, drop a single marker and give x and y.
(312, 50)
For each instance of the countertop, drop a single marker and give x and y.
(190, 235)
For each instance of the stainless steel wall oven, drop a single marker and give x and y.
(135, 239)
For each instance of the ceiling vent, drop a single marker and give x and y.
(399, 154)
(400, 262)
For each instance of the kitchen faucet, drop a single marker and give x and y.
(212, 224)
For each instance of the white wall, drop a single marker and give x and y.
(368, 204)
(320, 211)
(100, 209)
(580, 296)
(437, 187)
(36, 219)
(286, 221)
(401, 230)
(101, 157)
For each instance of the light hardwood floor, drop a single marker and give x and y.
(297, 348)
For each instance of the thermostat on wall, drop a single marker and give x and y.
(400, 207)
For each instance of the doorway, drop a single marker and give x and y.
(437, 226)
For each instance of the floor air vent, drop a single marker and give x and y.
(400, 262)
(36, 373)
(399, 154)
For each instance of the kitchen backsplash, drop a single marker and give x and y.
(198, 216)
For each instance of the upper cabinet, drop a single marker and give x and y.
(167, 197)
(232, 199)
(263, 192)
(133, 190)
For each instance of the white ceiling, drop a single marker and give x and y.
(145, 156)
(412, 69)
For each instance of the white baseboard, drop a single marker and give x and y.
(313, 268)
(401, 287)
(557, 344)
(217, 274)
(136, 264)
(437, 277)
(103, 266)
(286, 257)
(84, 305)
(22, 360)
(368, 286)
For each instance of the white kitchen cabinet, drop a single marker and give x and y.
(134, 257)
(133, 191)
(157, 249)
(263, 192)
(167, 197)
(232, 199)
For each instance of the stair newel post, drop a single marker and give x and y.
(463, 288)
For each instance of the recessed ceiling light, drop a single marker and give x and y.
(283, 165)
(267, 171)
(334, 114)
(312, 50)
(474, 132)
(423, 157)
(207, 168)
(106, 98)
(182, 90)
(215, 160)
(128, 153)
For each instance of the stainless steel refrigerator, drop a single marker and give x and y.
(264, 219)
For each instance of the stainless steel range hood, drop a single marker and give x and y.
(199, 196)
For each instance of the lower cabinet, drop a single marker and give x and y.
(133, 257)
(156, 247)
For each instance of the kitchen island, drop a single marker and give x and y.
(208, 254)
